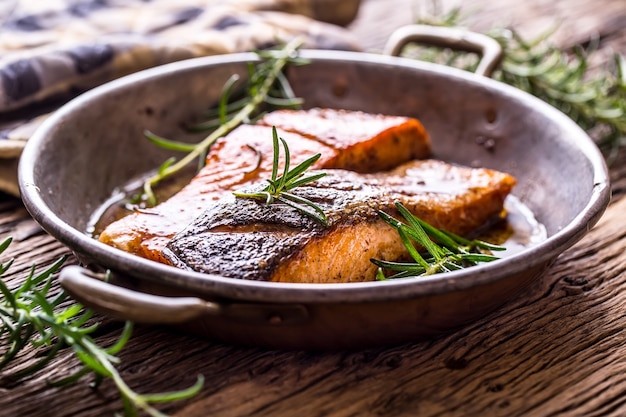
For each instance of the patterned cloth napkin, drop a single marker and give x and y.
(52, 50)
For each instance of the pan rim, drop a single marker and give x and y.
(230, 288)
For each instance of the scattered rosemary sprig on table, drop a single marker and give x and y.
(446, 251)
(31, 316)
(279, 188)
(595, 98)
(266, 85)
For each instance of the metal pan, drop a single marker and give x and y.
(94, 144)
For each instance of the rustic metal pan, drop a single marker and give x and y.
(73, 164)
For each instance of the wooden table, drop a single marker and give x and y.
(559, 349)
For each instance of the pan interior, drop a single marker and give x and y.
(95, 143)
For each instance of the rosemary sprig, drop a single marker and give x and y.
(279, 188)
(594, 97)
(31, 315)
(446, 251)
(266, 85)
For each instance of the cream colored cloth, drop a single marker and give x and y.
(51, 51)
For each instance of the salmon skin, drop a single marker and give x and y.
(247, 239)
(245, 156)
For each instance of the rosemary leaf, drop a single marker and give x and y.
(305, 180)
(167, 143)
(176, 395)
(302, 204)
(595, 98)
(456, 252)
(32, 317)
(419, 233)
(278, 187)
(261, 84)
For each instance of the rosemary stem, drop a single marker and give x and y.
(124, 389)
(31, 316)
(237, 119)
(73, 337)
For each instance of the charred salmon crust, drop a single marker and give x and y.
(245, 156)
(247, 239)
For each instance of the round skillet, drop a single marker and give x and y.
(94, 144)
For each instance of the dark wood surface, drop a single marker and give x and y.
(559, 349)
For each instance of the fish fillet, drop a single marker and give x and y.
(245, 156)
(366, 142)
(247, 239)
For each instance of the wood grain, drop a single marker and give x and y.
(570, 22)
(557, 350)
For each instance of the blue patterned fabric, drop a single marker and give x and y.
(52, 50)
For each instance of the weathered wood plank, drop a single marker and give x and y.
(557, 350)
(560, 344)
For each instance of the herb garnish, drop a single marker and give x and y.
(31, 315)
(266, 85)
(594, 97)
(447, 251)
(279, 187)
(595, 100)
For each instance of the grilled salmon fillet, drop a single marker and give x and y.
(247, 239)
(245, 156)
(366, 142)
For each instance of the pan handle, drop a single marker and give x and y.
(446, 37)
(91, 289)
